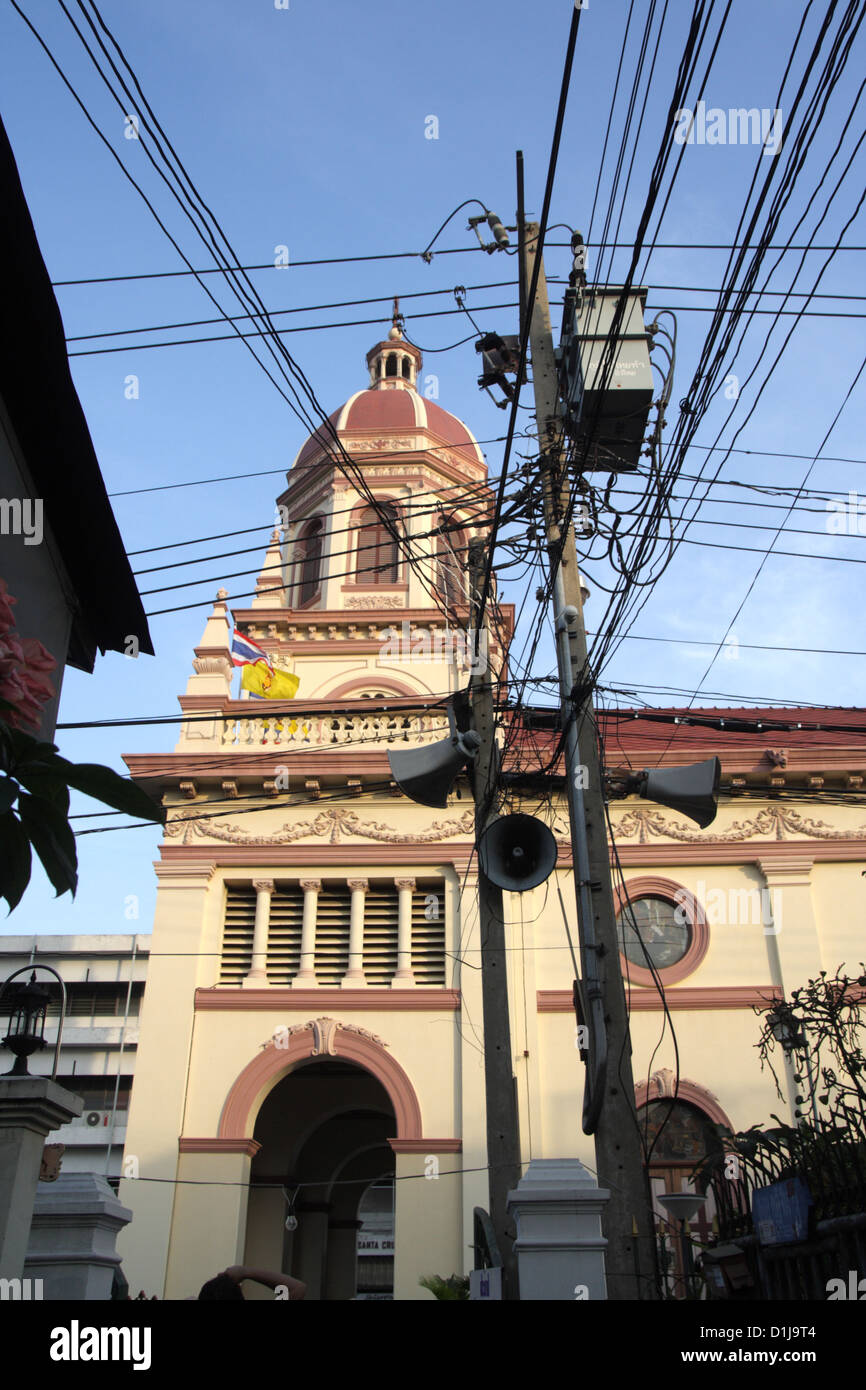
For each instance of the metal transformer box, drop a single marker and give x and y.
(613, 419)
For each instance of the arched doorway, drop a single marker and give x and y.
(679, 1131)
(324, 1131)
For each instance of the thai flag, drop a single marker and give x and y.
(245, 651)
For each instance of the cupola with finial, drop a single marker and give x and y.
(394, 364)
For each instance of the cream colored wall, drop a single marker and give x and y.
(839, 899)
(442, 1052)
(428, 1229)
(156, 1117)
(716, 1050)
(208, 1232)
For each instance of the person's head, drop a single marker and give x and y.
(220, 1289)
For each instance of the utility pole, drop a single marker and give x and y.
(610, 1112)
(503, 1141)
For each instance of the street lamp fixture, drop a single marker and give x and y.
(791, 1037)
(26, 1005)
(786, 1029)
(682, 1206)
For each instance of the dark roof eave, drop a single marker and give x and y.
(52, 432)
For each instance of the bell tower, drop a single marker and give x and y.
(364, 593)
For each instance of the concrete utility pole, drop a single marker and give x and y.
(503, 1141)
(628, 1224)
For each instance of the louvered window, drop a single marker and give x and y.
(380, 933)
(237, 947)
(332, 934)
(378, 560)
(333, 919)
(428, 933)
(284, 933)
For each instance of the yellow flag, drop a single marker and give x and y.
(263, 680)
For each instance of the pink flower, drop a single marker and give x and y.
(36, 657)
(7, 618)
(37, 687)
(24, 667)
(11, 654)
(27, 709)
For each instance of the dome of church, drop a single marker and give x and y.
(392, 403)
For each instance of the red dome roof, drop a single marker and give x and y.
(394, 408)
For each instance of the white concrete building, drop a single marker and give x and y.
(104, 978)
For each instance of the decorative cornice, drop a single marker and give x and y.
(303, 858)
(672, 855)
(792, 867)
(196, 871)
(560, 1001)
(280, 999)
(286, 617)
(426, 1146)
(250, 1147)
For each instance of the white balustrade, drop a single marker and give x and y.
(330, 730)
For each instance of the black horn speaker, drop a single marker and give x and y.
(693, 790)
(517, 852)
(427, 774)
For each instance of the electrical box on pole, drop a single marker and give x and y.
(607, 390)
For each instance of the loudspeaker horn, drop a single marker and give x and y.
(426, 775)
(692, 790)
(517, 852)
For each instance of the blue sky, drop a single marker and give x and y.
(305, 127)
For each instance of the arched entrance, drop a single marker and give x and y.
(324, 1131)
(679, 1132)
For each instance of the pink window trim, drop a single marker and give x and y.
(650, 886)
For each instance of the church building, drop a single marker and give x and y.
(309, 1087)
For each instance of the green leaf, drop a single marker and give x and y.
(107, 786)
(8, 794)
(28, 749)
(53, 840)
(15, 860)
(45, 782)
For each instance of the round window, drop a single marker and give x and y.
(653, 927)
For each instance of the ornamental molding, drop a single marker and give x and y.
(662, 1083)
(324, 1032)
(644, 824)
(369, 446)
(212, 666)
(331, 825)
(376, 601)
